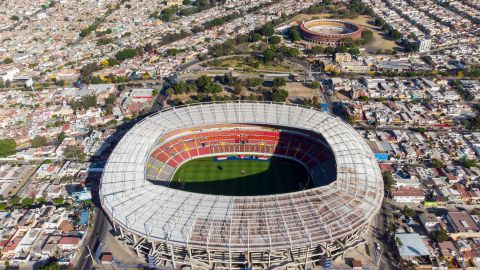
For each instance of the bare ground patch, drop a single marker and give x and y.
(297, 91)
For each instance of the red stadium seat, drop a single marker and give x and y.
(190, 146)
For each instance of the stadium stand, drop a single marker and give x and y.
(311, 152)
(303, 229)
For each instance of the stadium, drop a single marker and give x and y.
(331, 32)
(241, 185)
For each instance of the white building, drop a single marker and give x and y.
(424, 45)
(9, 75)
(408, 195)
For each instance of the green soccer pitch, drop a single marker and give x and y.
(241, 177)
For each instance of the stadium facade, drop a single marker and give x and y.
(179, 229)
(331, 32)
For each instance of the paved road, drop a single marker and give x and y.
(322, 91)
(379, 233)
(94, 236)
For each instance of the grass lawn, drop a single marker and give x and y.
(240, 177)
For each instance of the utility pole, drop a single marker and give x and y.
(305, 74)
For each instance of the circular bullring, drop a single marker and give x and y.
(176, 228)
(327, 31)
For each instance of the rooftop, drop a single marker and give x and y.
(411, 245)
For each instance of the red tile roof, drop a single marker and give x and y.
(407, 192)
(106, 257)
(462, 221)
(69, 240)
(386, 167)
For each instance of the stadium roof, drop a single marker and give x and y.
(298, 219)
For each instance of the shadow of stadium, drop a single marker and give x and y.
(281, 176)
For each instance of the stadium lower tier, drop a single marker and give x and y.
(311, 152)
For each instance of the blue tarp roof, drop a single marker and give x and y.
(381, 156)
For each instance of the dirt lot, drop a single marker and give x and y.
(379, 42)
(297, 92)
(341, 96)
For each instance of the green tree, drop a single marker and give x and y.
(87, 71)
(440, 236)
(268, 55)
(28, 201)
(279, 95)
(112, 122)
(104, 41)
(205, 84)
(173, 52)
(74, 153)
(126, 54)
(408, 212)
(112, 62)
(268, 29)
(14, 18)
(275, 39)
(41, 200)
(60, 137)
(15, 200)
(436, 163)
(58, 201)
(367, 36)
(7, 147)
(237, 89)
(398, 242)
(38, 141)
(8, 60)
(315, 85)
(469, 163)
(317, 50)
(277, 82)
(111, 99)
(293, 34)
(388, 180)
(167, 14)
(50, 266)
(253, 82)
(89, 101)
(86, 31)
(256, 37)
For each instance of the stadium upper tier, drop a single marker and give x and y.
(308, 218)
(312, 152)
